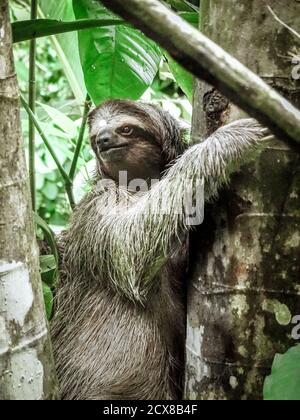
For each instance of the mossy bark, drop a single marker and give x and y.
(245, 283)
(26, 364)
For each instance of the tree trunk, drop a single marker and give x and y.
(26, 364)
(245, 282)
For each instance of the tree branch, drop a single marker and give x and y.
(295, 33)
(31, 102)
(207, 61)
(87, 106)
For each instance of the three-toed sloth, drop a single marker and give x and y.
(119, 326)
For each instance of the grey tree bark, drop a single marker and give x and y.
(245, 283)
(26, 364)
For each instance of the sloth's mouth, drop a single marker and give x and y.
(115, 147)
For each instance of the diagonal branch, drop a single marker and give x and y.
(207, 61)
(283, 23)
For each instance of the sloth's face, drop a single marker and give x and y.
(124, 142)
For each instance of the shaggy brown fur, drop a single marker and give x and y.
(118, 330)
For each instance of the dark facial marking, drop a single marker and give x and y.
(135, 131)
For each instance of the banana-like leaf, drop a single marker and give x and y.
(31, 29)
(66, 45)
(117, 61)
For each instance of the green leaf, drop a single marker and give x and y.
(48, 267)
(284, 382)
(51, 176)
(22, 70)
(191, 17)
(49, 236)
(30, 29)
(117, 61)
(48, 299)
(51, 130)
(66, 45)
(41, 168)
(40, 179)
(61, 120)
(50, 190)
(47, 262)
(184, 79)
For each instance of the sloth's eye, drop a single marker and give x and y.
(126, 130)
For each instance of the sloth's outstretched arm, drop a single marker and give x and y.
(129, 246)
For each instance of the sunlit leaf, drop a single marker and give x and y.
(66, 45)
(50, 190)
(61, 120)
(118, 61)
(40, 179)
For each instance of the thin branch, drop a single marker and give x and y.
(87, 106)
(32, 101)
(283, 23)
(63, 173)
(27, 29)
(207, 61)
(192, 6)
(182, 5)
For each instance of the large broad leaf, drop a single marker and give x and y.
(284, 381)
(184, 79)
(66, 45)
(118, 61)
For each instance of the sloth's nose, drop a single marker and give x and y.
(103, 138)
